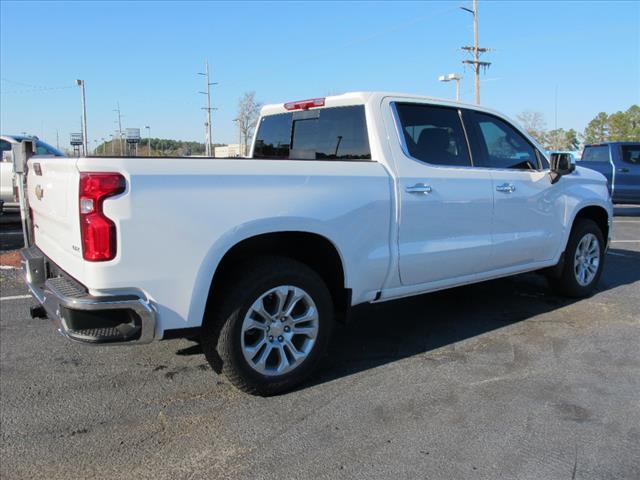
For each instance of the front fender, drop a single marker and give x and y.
(584, 188)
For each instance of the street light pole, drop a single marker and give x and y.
(148, 140)
(85, 141)
(452, 77)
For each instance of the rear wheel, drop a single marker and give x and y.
(583, 260)
(272, 325)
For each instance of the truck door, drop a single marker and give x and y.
(627, 175)
(598, 158)
(445, 204)
(528, 208)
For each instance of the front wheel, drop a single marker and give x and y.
(583, 261)
(272, 326)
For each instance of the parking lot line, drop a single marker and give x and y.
(617, 254)
(625, 241)
(15, 297)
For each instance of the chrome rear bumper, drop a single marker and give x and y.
(79, 316)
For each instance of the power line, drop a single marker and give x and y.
(476, 51)
(30, 88)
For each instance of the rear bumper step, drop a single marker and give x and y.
(79, 316)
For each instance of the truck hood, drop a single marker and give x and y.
(586, 174)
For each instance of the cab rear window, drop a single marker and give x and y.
(596, 154)
(338, 133)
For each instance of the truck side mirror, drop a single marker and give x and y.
(561, 164)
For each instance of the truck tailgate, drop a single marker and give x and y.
(52, 190)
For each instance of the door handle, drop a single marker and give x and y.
(623, 170)
(419, 188)
(506, 188)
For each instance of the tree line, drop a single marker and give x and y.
(160, 147)
(616, 127)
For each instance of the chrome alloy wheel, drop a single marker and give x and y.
(279, 330)
(587, 259)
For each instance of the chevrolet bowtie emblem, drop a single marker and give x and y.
(39, 192)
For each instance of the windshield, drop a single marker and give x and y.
(42, 148)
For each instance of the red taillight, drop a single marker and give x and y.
(305, 104)
(98, 232)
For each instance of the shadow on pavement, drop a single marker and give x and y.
(379, 334)
(10, 232)
(383, 333)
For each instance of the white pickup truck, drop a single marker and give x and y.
(362, 197)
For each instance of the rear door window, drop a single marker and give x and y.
(433, 134)
(338, 133)
(596, 154)
(631, 154)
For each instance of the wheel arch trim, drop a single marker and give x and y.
(227, 242)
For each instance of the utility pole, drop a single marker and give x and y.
(85, 141)
(148, 140)
(475, 50)
(237, 120)
(208, 135)
(119, 122)
(555, 121)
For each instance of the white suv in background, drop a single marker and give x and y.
(8, 193)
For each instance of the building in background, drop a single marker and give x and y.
(231, 150)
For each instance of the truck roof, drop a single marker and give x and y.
(604, 144)
(361, 98)
(375, 98)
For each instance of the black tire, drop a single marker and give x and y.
(222, 332)
(566, 281)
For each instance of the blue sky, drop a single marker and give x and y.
(146, 56)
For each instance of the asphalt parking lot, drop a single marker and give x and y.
(502, 379)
